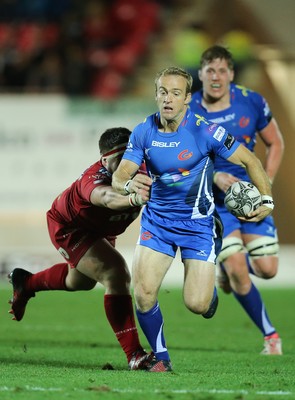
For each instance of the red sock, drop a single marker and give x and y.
(52, 278)
(120, 314)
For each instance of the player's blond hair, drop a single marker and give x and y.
(176, 71)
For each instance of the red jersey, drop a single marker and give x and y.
(73, 208)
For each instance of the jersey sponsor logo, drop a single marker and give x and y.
(266, 109)
(244, 121)
(184, 155)
(224, 119)
(64, 253)
(212, 127)
(174, 179)
(271, 231)
(229, 141)
(201, 119)
(155, 143)
(146, 235)
(129, 147)
(202, 253)
(219, 133)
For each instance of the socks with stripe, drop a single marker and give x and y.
(151, 323)
(255, 308)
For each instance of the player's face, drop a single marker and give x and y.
(171, 97)
(216, 77)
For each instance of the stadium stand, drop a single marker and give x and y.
(103, 41)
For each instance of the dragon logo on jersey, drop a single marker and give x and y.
(184, 155)
(244, 90)
(201, 119)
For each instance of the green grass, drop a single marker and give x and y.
(59, 349)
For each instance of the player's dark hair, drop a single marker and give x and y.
(176, 71)
(214, 52)
(113, 137)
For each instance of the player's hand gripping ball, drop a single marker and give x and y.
(241, 198)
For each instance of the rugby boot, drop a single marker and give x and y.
(21, 296)
(140, 360)
(159, 366)
(272, 345)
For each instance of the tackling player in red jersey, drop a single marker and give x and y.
(83, 223)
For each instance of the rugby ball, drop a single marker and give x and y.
(241, 198)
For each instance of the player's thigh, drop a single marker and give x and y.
(103, 263)
(199, 281)
(148, 271)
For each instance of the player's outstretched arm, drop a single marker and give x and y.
(106, 196)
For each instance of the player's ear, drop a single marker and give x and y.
(232, 75)
(200, 74)
(104, 161)
(188, 99)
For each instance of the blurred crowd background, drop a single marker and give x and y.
(99, 47)
(74, 47)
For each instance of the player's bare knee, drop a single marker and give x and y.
(145, 299)
(197, 306)
(241, 287)
(265, 267)
(264, 255)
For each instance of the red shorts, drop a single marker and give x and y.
(72, 243)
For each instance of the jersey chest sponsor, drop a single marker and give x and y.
(224, 119)
(156, 143)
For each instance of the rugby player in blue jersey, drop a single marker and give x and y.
(247, 247)
(179, 150)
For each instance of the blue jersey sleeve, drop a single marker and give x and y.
(261, 106)
(216, 139)
(135, 148)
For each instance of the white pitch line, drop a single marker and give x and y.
(176, 391)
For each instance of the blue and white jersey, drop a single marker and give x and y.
(248, 114)
(180, 164)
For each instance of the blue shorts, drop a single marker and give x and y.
(266, 227)
(198, 239)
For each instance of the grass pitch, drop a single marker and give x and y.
(60, 349)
